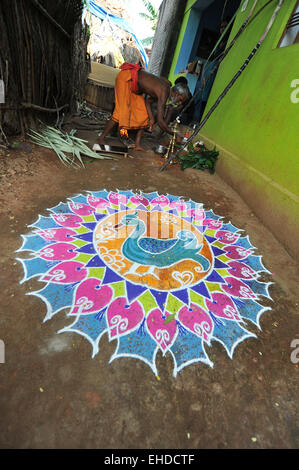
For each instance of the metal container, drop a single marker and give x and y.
(160, 149)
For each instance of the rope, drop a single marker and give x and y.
(228, 87)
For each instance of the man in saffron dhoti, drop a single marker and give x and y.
(132, 111)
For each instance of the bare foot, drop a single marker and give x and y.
(139, 148)
(101, 141)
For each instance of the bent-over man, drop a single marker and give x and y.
(132, 111)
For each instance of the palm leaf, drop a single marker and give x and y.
(67, 147)
(146, 16)
(150, 8)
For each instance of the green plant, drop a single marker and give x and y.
(199, 158)
(152, 16)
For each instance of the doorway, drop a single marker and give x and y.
(211, 17)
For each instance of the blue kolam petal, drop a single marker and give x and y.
(210, 215)
(44, 223)
(110, 210)
(34, 267)
(128, 194)
(56, 297)
(215, 277)
(62, 208)
(172, 198)
(230, 228)
(141, 207)
(96, 262)
(188, 219)
(157, 208)
(92, 327)
(201, 289)
(250, 310)
(217, 251)
(188, 349)
(33, 243)
(173, 212)
(245, 243)
(255, 262)
(150, 196)
(138, 346)
(211, 239)
(123, 207)
(219, 264)
(259, 288)
(102, 194)
(80, 199)
(230, 333)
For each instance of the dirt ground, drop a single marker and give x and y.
(54, 395)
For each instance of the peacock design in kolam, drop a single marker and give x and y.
(154, 252)
(155, 273)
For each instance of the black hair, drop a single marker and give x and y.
(182, 80)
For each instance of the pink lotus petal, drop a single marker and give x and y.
(238, 289)
(138, 199)
(81, 209)
(91, 297)
(241, 270)
(57, 234)
(67, 220)
(58, 252)
(197, 320)
(179, 205)
(212, 224)
(117, 199)
(66, 273)
(236, 252)
(161, 201)
(97, 202)
(163, 334)
(123, 318)
(227, 237)
(222, 306)
(196, 214)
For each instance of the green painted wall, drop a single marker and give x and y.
(256, 126)
(257, 120)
